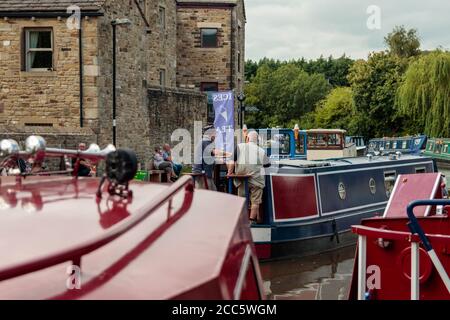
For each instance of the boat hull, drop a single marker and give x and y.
(307, 210)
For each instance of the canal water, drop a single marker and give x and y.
(322, 277)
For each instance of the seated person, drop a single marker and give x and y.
(160, 164)
(167, 155)
(250, 159)
(84, 167)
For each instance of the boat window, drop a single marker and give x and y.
(445, 149)
(372, 186)
(324, 140)
(394, 145)
(278, 143)
(421, 170)
(334, 139)
(300, 145)
(404, 144)
(388, 145)
(438, 148)
(389, 181)
(341, 190)
(430, 146)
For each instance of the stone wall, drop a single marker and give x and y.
(197, 64)
(162, 41)
(173, 109)
(55, 137)
(132, 77)
(51, 97)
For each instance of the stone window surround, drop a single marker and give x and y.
(162, 20)
(25, 49)
(217, 38)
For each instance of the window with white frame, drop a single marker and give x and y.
(39, 49)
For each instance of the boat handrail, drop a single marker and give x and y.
(416, 236)
(76, 252)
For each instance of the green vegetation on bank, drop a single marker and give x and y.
(399, 91)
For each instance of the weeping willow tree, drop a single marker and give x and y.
(424, 96)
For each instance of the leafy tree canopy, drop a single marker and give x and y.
(337, 110)
(286, 93)
(403, 43)
(425, 94)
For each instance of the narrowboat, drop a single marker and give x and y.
(361, 147)
(404, 254)
(409, 145)
(310, 205)
(439, 149)
(70, 237)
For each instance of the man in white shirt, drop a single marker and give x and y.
(250, 159)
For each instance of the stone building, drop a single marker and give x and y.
(56, 67)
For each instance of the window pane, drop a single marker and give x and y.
(209, 38)
(41, 60)
(209, 86)
(162, 77)
(40, 39)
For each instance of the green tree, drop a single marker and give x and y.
(403, 43)
(337, 110)
(374, 84)
(424, 95)
(283, 94)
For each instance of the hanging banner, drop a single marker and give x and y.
(224, 121)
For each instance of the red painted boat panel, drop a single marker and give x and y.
(394, 261)
(412, 187)
(264, 251)
(287, 192)
(199, 256)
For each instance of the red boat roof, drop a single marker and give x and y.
(410, 187)
(47, 215)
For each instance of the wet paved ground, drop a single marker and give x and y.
(322, 277)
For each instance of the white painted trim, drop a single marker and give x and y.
(391, 196)
(261, 234)
(433, 192)
(374, 167)
(242, 273)
(362, 247)
(326, 214)
(273, 200)
(415, 273)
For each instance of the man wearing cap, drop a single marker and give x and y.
(204, 159)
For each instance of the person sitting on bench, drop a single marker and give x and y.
(160, 164)
(167, 154)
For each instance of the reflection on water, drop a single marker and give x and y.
(323, 277)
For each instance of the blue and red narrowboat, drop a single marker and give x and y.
(310, 206)
(68, 237)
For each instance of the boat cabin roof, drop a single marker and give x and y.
(42, 216)
(318, 131)
(347, 161)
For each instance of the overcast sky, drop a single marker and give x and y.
(286, 29)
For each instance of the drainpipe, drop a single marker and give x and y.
(232, 49)
(114, 85)
(80, 46)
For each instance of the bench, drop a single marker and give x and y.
(157, 176)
